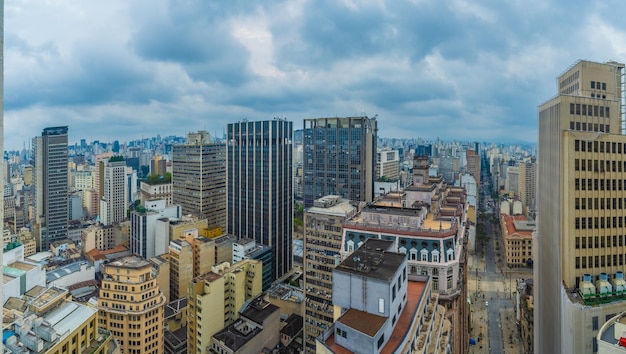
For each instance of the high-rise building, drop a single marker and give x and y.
(526, 183)
(473, 164)
(190, 256)
(260, 186)
(199, 178)
(339, 158)
(113, 203)
(51, 186)
(323, 226)
(131, 305)
(579, 246)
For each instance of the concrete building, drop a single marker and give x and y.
(114, 200)
(427, 222)
(256, 330)
(247, 248)
(611, 337)
(473, 164)
(260, 186)
(527, 184)
(131, 306)
(150, 191)
(216, 297)
(48, 323)
(51, 186)
(199, 178)
(387, 164)
(517, 233)
(339, 158)
(579, 247)
(323, 227)
(99, 236)
(143, 238)
(190, 257)
(382, 308)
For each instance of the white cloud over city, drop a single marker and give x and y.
(468, 70)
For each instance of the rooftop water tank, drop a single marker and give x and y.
(619, 285)
(602, 284)
(586, 286)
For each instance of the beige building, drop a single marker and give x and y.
(323, 227)
(473, 164)
(27, 239)
(161, 264)
(527, 184)
(101, 237)
(215, 298)
(580, 246)
(158, 191)
(131, 305)
(388, 164)
(517, 233)
(190, 256)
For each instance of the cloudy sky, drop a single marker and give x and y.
(454, 69)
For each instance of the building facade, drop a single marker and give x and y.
(199, 178)
(51, 186)
(260, 186)
(113, 204)
(323, 226)
(216, 297)
(579, 247)
(527, 184)
(131, 306)
(339, 158)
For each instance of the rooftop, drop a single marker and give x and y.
(373, 259)
(415, 293)
(65, 270)
(133, 262)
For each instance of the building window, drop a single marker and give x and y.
(381, 340)
(424, 254)
(435, 256)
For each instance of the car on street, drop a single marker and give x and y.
(486, 303)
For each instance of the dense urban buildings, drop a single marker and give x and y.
(427, 223)
(260, 186)
(339, 158)
(51, 186)
(581, 197)
(199, 178)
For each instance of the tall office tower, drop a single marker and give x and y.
(473, 164)
(131, 305)
(260, 186)
(51, 186)
(339, 158)
(114, 201)
(199, 178)
(579, 246)
(323, 226)
(526, 187)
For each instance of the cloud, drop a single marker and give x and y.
(453, 69)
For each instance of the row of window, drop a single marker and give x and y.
(599, 222)
(599, 241)
(599, 184)
(589, 110)
(602, 128)
(599, 165)
(599, 146)
(599, 261)
(599, 203)
(597, 85)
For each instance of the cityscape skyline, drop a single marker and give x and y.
(481, 69)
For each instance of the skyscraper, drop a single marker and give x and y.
(339, 158)
(260, 186)
(527, 186)
(51, 186)
(113, 203)
(581, 207)
(199, 178)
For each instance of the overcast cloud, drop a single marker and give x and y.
(467, 70)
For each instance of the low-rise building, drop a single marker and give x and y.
(517, 233)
